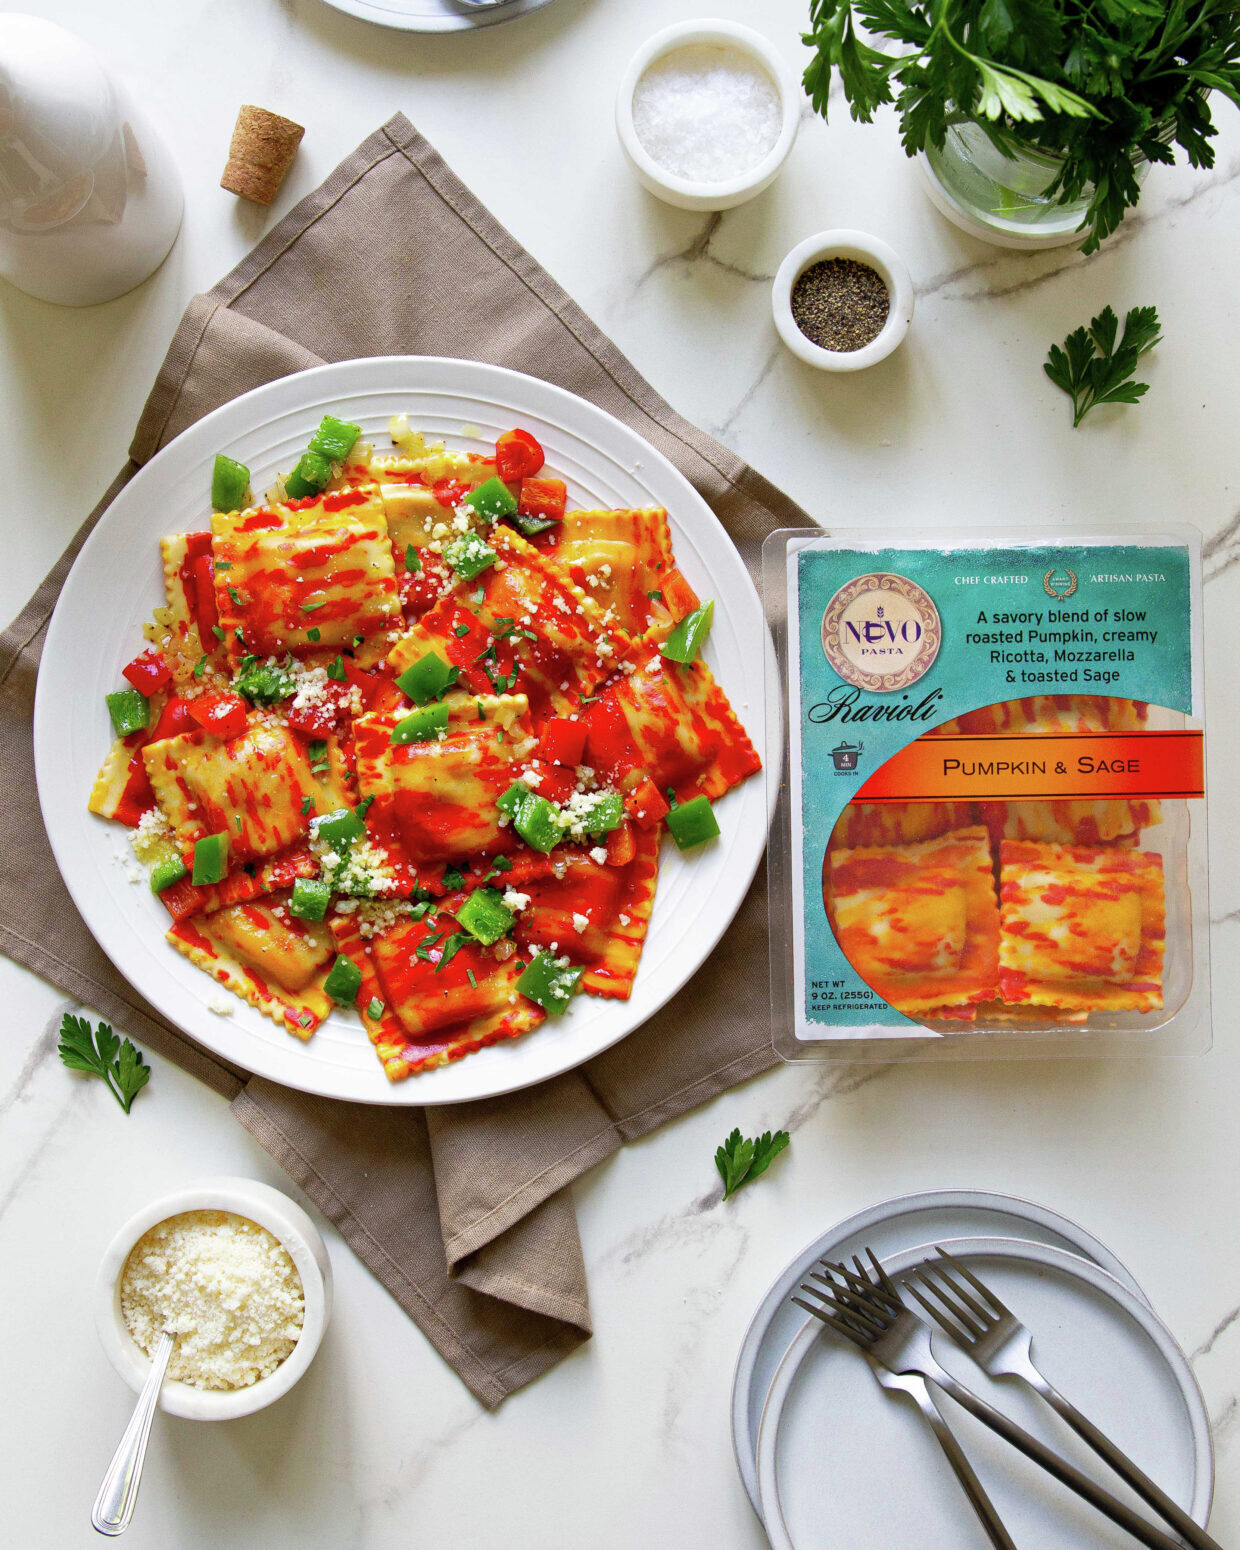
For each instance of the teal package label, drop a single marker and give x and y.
(1111, 620)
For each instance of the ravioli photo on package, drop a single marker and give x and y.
(994, 786)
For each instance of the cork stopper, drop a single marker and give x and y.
(262, 150)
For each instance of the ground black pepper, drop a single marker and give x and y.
(839, 304)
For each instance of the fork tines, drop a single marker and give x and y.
(861, 1304)
(961, 1313)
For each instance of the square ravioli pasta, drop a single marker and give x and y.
(1081, 927)
(306, 576)
(920, 923)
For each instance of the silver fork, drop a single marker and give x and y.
(1001, 1345)
(865, 1307)
(919, 1391)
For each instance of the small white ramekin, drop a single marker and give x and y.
(285, 1221)
(686, 193)
(865, 250)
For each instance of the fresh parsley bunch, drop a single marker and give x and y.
(1104, 84)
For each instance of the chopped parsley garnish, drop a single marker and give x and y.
(318, 755)
(313, 634)
(223, 565)
(375, 1009)
(451, 947)
(217, 632)
(453, 879)
(235, 595)
(336, 670)
(656, 596)
(309, 608)
(307, 805)
(200, 666)
(460, 631)
(363, 807)
(469, 975)
(412, 563)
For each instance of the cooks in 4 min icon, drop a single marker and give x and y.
(844, 756)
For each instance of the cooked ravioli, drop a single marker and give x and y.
(323, 566)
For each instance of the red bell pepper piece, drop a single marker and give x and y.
(646, 804)
(173, 719)
(563, 741)
(148, 673)
(545, 498)
(621, 845)
(206, 615)
(679, 598)
(518, 455)
(224, 714)
(449, 492)
(319, 719)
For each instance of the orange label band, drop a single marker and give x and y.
(1068, 766)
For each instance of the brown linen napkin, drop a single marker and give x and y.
(464, 1213)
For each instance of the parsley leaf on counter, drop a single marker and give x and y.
(115, 1061)
(740, 1161)
(1092, 369)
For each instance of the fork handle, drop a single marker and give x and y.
(1067, 1474)
(1192, 1533)
(958, 1459)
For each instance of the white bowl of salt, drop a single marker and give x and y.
(707, 113)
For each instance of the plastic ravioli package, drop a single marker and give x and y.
(990, 826)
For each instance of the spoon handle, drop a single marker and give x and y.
(115, 1502)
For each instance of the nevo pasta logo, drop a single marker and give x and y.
(881, 631)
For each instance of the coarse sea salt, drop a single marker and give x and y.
(707, 113)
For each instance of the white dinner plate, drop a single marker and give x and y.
(435, 15)
(117, 581)
(843, 1462)
(887, 1227)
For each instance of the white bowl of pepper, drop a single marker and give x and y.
(843, 300)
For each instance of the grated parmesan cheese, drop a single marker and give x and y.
(226, 1286)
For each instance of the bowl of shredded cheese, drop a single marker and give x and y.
(707, 112)
(239, 1273)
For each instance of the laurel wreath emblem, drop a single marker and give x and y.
(1052, 591)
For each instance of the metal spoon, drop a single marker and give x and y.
(117, 1495)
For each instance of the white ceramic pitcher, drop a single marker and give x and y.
(90, 199)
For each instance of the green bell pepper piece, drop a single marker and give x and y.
(129, 710)
(493, 500)
(429, 678)
(607, 813)
(338, 828)
(211, 859)
(230, 484)
(309, 477)
(311, 896)
(692, 823)
(344, 981)
(469, 555)
(530, 526)
(166, 872)
(550, 985)
(689, 636)
(421, 726)
(334, 438)
(485, 916)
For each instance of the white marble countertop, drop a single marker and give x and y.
(627, 1442)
